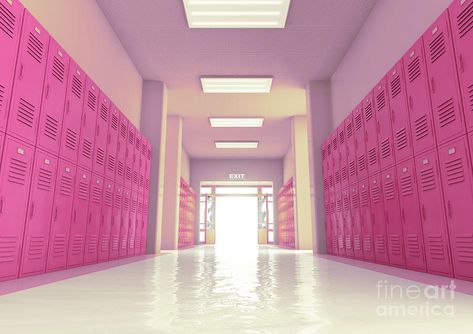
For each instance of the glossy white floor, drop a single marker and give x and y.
(208, 290)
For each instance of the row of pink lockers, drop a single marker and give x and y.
(421, 90)
(50, 108)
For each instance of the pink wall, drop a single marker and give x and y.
(391, 28)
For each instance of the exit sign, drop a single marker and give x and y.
(237, 176)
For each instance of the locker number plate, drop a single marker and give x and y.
(451, 150)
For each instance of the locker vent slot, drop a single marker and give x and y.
(341, 243)
(108, 198)
(87, 149)
(92, 100)
(364, 197)
(368, 112)
(427, 179)
(135, 176)
(339, 204)
(77, 245)
(133, 205)
(349, 130)
(147, 184)
(76, 86)
(118, 201)
(380, 244)
(413, 69)
(372, 156)
(149, 154)
(36, 248)
(59, 246)
(355, 201)
(329, 149)
(35, 48)
(406, 185)
(464, 247)
(413, 246)
(395, 245)
(59, 69)
(368, 244)
(446, 113)
(348, 242)
(401, 139)
(344, 174)
(2, 95)
(337, 176)
(341, 137)
(437, 47)
(111, 162)
(465, 20)
(381, 100)
(361, 163)
(7, 20)
(92, 244)
(114, 243)
(470, 91)
(357, 243)
(128, 174)
(352, 168)
(126, 203)
(8, 246)
(83, 190)
(396, 86)
(26, 113)
(18, 171)
(454, 171)
(45, 179)
(435, 247)
(66, 185)
(325, 183)
(114, 122)
(143, 149)
(100, 156)
(375, 193)
(330, 180)
(104, 113)
(123, 244)
(346, 203)
(389, 192)
(138, 142)
(97, 195)
(71, 139)
(385, 149)
(141, 180)
(51, 128)
(123, 130)
(421, 127)
(120, 168)
(131, 137)
(357, 122)
(105, 243)
(334, 144)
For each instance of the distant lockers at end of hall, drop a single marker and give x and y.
(74, 171)
(398, 170)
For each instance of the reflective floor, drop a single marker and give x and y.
(212, 290)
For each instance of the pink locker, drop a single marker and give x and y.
(371, 134)
(61, 216)
(112, 140)
(139, 223)
(333, 222)
(101, 133)
(136, 161)
(116, 221)
(324, 166)
(125, 223)
(144, 147)
(457, 180)
(336, 160)
(339, 222)
(24, 113)
(418, 99)
(437, 252)
(121, 150)
(378, 219)
(79, 218)
(351, 151)
(130, 155)
(410, 215)
(94, 220)
(148, 169)
(357, 222)
(132, 223)
(38, 217)
(11, 14)
(343, 154)
(72, 113)
(360, 143)
(399, 113)
(443, 81)
(383, 117)
(15, 177)
(330, 167)
(347, 222)
(2, 142)
(461, 18)
(88, 122)
(366, 220)
(144, 226)
(52, 106)
(328, 226)
(106, 225)
(393, 218)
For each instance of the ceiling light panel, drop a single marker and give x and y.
(236, 122)
(236, 144)
(236, 13)
(236, 85)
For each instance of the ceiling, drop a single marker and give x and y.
(158, 40)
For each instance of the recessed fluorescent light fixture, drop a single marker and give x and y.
(236, 84)
(236, 13)
(236, 144)
(236, 122)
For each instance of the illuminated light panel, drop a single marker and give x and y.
(236, 144)
(236, 13)
(236, 122)
(236, 85)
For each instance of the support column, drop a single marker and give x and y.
(154, 108)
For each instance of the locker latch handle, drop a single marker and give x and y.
(403, 215)
(378, 126)
(20, 73)
(423, 212)
(462, 66)
(1, 205)
(411, 102)
(97, 130)
(55, 214)
(393, 116)
(47, 91)
(432, 84)
(32, 210)
(449, 207)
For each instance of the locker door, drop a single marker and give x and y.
(88, 122)
(101, 134)
(343, 155)
(371, 135)
(144, 226)
(79, 218)
(125, 223)
(340, 222)
(334, 222)
(455, 169)
(356, 219)
(116, 220)
(410, 215)
(360, 143)
(15, 177)
(139, 224)
(2, 142)
(347, 223)
(28, 86)
(144, 146)
(443, 81)
(418, 98)
(11, 16)
(136, 162)
(94, 220)
(72, 113)
(461, 18)
(351, 151)
(378, 220)
(148, 169)
(399, 114)
(132, 224)
(38, 218)
(393, 218)
(121, 150)
(383, 117)
(366, 220)
(330, 166)
(112, 140)
(437, 252)
(336, 160)
(54, 94)
(61, 216)
(328, 227)
(130, 155)
(105, 227)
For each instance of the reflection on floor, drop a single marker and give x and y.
(264, 290)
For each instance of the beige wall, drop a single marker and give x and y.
(84, 32)
(288, 165)
(185, 166)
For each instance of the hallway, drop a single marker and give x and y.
(202, 290)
